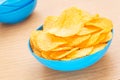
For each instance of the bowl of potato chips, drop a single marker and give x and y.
(72, 41)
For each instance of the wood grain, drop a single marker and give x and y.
(16, 63)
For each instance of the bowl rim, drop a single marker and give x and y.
(41, 27)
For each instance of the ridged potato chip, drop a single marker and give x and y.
(62, 54)
(62, 47)
(46, 54)
(33, 39)
(93, 39)
(88, 30)
(46, 41)
(78, 53)
(103, 23)
(84, 44)
(37, 51)
(49, 22)
(67, 24)
(101, 38)
(98, 48)
(107, 38)
(79, 40)
(76, 40)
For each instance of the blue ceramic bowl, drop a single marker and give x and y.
(16, 15)
(71, 65)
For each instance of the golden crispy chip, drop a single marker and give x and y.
(33, 45)
(70, 38)
(86, 17)
(37, 52)
(68, 23)
(107, 38)
(102, 23)
(76, 39)
(88, 30)
(101, 38)
(62, 48)
(93, 39)
(79, 40)
(78, 53)
(62, 54)
(56, 55)
(83, 44)
(46, 54)
(33, 39)
(49, 22)
(47, 41)
(98, 48)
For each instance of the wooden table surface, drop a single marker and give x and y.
(16, 63)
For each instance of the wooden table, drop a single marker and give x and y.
(16, 63)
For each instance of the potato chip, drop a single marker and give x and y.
(79, 53)
(35, 48)
(101, 38)
(62, 54)
(67, 24)
(70, 38)
(86, 17)
(49, 21)
(79, 40)
(83, 44)
(46, 54)
(88, 30)
(62, 47)
(98, 48)
(33, 41)
(76, 40)
(47, 41)
(93, 39)
(103, 23)
(37, 52)
(107, 38)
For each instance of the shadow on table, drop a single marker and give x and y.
(100, 70)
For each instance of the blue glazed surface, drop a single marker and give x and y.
(15, 3)
(18, 15)
(6, 9)
(71, 65)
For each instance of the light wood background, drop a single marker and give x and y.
(16, 63)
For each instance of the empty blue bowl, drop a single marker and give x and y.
(71, 65)
(15, 14)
